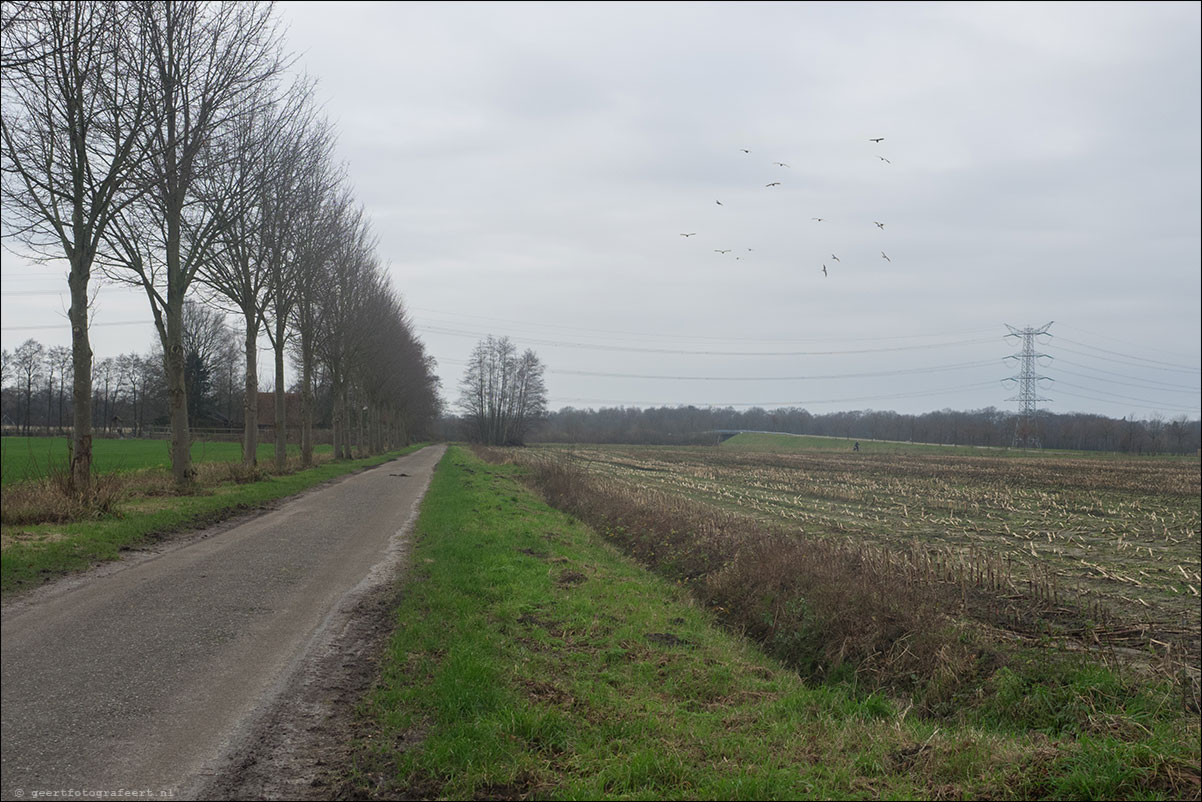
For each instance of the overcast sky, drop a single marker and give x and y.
(530, 170)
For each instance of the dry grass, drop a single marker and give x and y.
(1117, 538)
(821, 606)
(900, 609)
(54, 500)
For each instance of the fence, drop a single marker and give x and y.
(206, 434)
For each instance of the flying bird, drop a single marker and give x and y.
(879, 225)
(876, 139)
(773, 184)
(716, 250)
(745, 150)
(836, 258)
(824, 270)
(819, 219)
(780, 164)
(887, 259)
(882, 158)
(689, 235)
(718, 202)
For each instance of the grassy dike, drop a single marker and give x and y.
(531, 659)
(33, 554)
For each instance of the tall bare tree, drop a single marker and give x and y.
(502, 393)
(237, 271)
(317, 245)
(354, 278)
(302, 150)
(73, 141)
(59, 362)
(29, 357)
(209, 62)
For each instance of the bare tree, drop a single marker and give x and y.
(23, 40)
(293, 194)
(210, 61)
(75, 114)
(237, 270)
(59, 361)
(317, 244)
(353, 278)
(133, 375)
(396, 378)
(29, 357)
(207, 341)
(502, 393)
(6, 366)
(107, 376)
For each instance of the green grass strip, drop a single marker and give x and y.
(28, 458)
(533, 660)
(53, 550)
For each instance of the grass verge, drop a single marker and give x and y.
(532, 659)
(35, 553)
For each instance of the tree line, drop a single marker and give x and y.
(984, 427)
(502, 401)
(163, 145)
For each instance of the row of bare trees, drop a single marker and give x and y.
(37, 391)
(128, 390)
(164, 144)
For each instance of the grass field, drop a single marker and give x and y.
(1118, 537)
(533, 660)
(26, 458)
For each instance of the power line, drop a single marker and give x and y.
(1140, 360)
(90, 325)
(1164, 387)
(1149, 382)
(662, 335)
(1157, 407)
(815, 377)
(1103, 392)
(863, 375)
(794, 403)
(1122, 342)
(599, 347)
(1134, 364)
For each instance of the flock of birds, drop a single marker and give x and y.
(769, 185)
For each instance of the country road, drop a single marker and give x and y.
(198, 670)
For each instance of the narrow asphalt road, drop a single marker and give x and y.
(139, 681)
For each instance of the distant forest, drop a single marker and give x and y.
(983, 427)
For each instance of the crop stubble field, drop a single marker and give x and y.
(1117, 540)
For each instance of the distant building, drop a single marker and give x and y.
(292, 405)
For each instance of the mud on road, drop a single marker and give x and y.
(300, 746)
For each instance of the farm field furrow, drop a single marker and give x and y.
(1125, 534)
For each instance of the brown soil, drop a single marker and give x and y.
(300, 747)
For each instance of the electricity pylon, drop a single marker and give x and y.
(1026, 432)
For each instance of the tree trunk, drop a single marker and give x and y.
(281, 401)
(81, 392)
(306, 402)
(250, 403)
(337, 422)
(177, 392)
